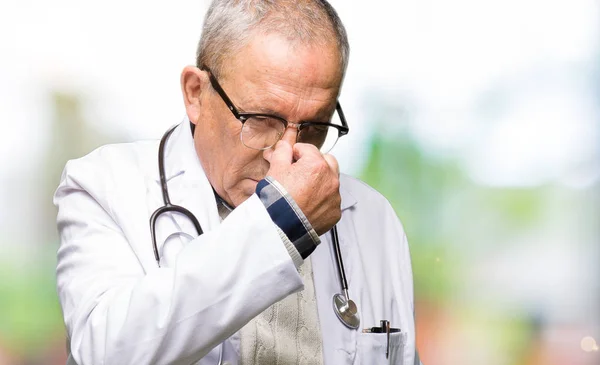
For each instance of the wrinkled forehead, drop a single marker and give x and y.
(275, 55)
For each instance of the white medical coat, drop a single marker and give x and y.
(120, 308)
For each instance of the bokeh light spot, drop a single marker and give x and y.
(588, 344)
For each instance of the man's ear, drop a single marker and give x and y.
(193, 84)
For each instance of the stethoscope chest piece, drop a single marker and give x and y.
(346, 311)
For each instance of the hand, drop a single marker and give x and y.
(311, 178)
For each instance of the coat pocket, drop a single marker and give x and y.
(371, 348)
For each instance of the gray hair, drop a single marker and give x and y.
(229, 24)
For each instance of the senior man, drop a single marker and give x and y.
(239, 264)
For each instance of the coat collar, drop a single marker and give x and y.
(348, 200)
(180, 154)
(181, 161)
(187, 183)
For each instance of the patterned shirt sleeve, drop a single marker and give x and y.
(288, 216)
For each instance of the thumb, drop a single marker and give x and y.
(333, 164)
(279, 154)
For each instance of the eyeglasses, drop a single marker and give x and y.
(262, 131)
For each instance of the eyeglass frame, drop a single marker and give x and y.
(243, 117)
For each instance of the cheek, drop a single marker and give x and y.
(225, 145)
(231, 133)
(244, 164)
(219, 126)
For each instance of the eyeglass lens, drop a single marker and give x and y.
(261, 133)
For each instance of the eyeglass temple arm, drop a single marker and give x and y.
(338, 107)
(220, 91)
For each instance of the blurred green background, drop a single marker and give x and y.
(479, 121)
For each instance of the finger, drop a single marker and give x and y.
(267, 154)
(281, 153)
(304, 150)
(333, 164)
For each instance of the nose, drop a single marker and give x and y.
(291, 133)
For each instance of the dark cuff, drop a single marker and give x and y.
(288, 216)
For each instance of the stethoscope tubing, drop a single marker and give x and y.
(161, 166)
(338, 259)
(167, 207)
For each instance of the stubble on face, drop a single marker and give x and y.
(269, 75)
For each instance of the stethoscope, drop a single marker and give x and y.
(344, 307)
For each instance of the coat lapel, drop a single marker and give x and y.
(130, 201)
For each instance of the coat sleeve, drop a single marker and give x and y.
(117, 313)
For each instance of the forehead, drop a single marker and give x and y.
(272, 69)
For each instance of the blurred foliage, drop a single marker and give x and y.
(31, 316)
(418, 186)
(31, 319)
(446, 216)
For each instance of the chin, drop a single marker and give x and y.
(246, 189)
(250, 187)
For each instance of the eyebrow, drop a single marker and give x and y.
(263, 110)
(269, 111)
